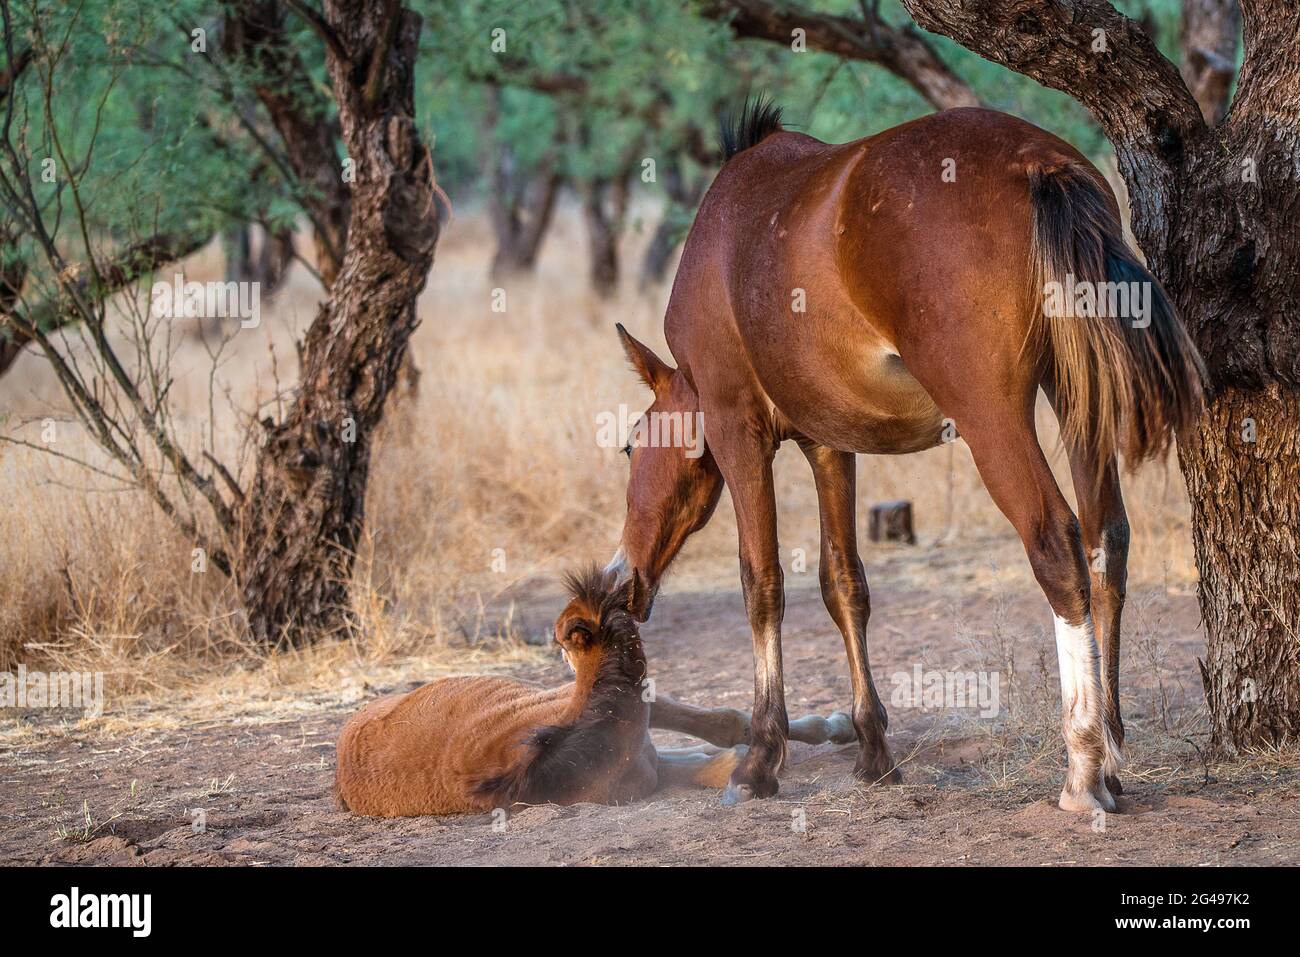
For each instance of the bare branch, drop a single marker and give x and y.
(1107, 62)
(902, 51)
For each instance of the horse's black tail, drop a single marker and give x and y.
(758, 119)
(1126, 370)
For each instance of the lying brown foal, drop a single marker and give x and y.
(465, 744)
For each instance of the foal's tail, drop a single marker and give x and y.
(1126, 371)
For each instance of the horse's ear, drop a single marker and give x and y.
(653, 371)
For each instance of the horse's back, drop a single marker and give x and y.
(830, 266)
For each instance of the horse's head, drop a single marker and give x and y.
(674, 483)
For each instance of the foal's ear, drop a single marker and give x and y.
(653, 371)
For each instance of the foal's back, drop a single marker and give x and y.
(423, 752)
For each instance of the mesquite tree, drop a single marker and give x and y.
(302, 518)
(1216, 210)
(287, 538)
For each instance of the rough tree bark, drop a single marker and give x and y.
(1216, 210)
(901, 50)
(302, 517)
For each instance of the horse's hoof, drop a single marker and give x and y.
(1113, 785)
(1086, 802)
(736, 794)
(841, 728)
(888, 775)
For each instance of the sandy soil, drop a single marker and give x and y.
(977, 791)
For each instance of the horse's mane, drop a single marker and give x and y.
(758, 119)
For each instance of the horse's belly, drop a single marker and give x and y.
(874, 406)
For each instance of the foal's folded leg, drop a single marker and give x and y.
(704, 766)
(728, 726)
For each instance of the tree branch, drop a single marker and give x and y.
(1091, 51)
(255, 35)
(319, 27)
(13, 71)
(138, 260)
(900, 50)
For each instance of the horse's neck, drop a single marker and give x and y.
(610, 691)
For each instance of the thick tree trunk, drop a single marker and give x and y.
(1243, 476)
(302, 518)
(1235, 272)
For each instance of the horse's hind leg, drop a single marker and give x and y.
(1105, 541)
(844, 590)
(1011, 463)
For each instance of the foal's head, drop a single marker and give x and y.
(596, 630)
(674, 483)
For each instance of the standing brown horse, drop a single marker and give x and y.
(851, 298)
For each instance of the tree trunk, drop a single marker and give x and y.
(1243, 477)
(302, 518)
(521, 215)
(521, 203)
(274, 257)
(12, 276)
(1235, 274)
(683, 194)
(604, 206)
(256, 32)
(1209, 44)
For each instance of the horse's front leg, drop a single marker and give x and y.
(844, 591)
(746, 464)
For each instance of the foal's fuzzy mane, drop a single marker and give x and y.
(603, 602)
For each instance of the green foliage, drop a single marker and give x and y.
(156, 136)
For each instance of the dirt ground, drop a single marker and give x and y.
(977, 790)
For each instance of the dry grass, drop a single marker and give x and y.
(494, 459)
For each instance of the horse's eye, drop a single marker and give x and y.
(627, 450)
